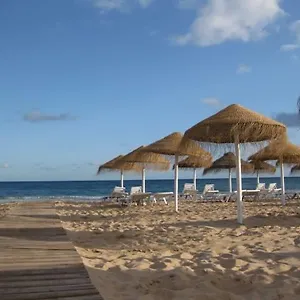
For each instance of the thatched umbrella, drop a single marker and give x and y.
(286, 153)
(295, 169)
(193, 162)
(236, 124)
(169, 146)
(262, 167)
(228, 162)
(145, 159)
(112, 166)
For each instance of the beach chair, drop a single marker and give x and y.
(118, 192)
(209, 193)
(189, 191)
(136, 196)
(162, 196)
(271, 192)
(261, 186)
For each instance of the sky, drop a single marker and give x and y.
(82, 81)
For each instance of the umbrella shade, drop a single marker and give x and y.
(228, 161)
(169, 145)
(287, 153)
(236, 122)
(194, 162)
(145, 159)
(295, 169)
(263, 167)
(112, 166)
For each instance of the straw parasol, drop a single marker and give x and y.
(261, 167)
(145, 159)
(236, 124)
(112, 166)
(286, 153)
(194, 162)
(295, 169)
(228, 162)
(169, 146)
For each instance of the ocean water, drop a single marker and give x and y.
(95, 190)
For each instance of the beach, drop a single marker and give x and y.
(151, 252)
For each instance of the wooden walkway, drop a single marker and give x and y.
(37, 261)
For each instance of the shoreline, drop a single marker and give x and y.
(150, 252)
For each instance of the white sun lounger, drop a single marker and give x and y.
(118, 192)
(210, 194)
(189, 191)
(162, 196)
(136, 196)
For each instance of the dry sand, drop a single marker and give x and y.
(4, 208)
(152, 253)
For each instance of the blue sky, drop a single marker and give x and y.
(82, 81)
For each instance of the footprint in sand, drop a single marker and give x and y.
(297, 242)
(158, 265)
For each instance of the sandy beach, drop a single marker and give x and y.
(150, 252)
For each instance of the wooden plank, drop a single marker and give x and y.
(37, 261)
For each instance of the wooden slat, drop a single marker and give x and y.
(37, 261)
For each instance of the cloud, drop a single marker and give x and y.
(37, 116)
(187, 4)
(295, 30)
(219, 21)
(212, 102)
(120, 5)
(242, 69)
(289, 119)
(4, 166)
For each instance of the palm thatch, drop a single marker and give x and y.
(112, 166)
(194, 162)
(149, 160)
(295, 169)
(287, 153)
(228, 161)
(169, 145)
(263, 167)
(236, 123)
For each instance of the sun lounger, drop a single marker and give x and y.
(209, 193)
(162, 196)
(118, 192)
(271, 192)
(136, 196)
(189, 191)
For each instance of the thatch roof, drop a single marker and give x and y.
(169, 145)
(194, 162)
(287, 153)
(263, 167)
(145, 159)
(295, 169)
(235, 120)
(228, 161)
(111, 166)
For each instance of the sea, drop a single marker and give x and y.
(98, 190)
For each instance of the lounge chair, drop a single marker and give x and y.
(163, 196)
(209, 193)
(118, 192)
(189, 191)
(271, 192)
(136, 196)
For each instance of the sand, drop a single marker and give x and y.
(152, 253)
(4, 208)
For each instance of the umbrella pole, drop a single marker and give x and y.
(176, 182)
(239, 182)
(122, 179)
(282, 183)
(195, 178)
(230, 180)
(257, 177)
(144, 180)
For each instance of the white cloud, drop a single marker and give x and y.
(295, 30)
(242, 69)
(219, 21)
(120, 5)
(37, 116)
(212, 102)
(187, 4)
(4, 166)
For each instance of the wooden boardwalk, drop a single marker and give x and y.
(37, 261)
